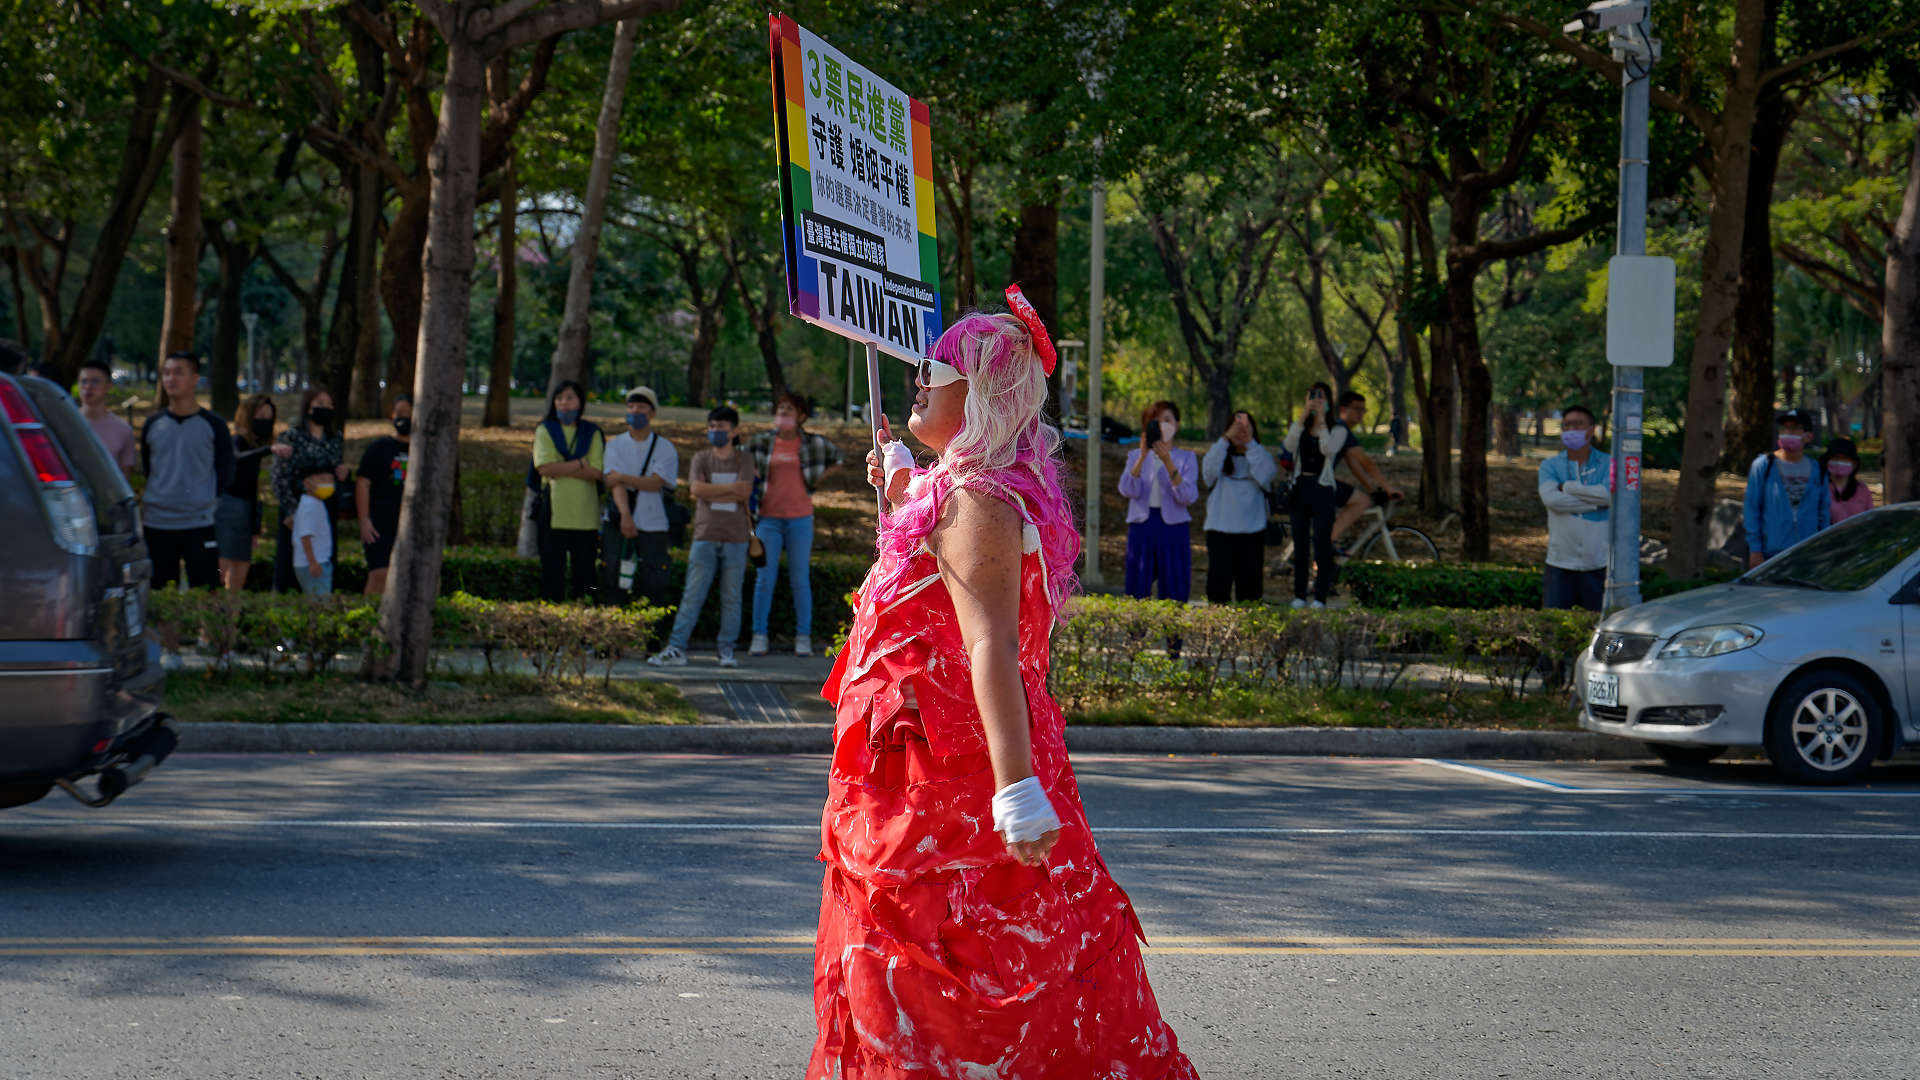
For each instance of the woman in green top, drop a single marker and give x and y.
(568, 454)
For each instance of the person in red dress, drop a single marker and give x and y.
(968, 927)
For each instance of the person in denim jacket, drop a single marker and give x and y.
(1788, 497)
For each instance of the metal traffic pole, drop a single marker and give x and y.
(1096, 338)
(1634, 47)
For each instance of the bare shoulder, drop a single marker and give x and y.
(975, 526)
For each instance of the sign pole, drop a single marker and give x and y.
(873, 421)
(1637, 57)
(1096, 340)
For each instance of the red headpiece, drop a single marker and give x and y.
(1022, 310)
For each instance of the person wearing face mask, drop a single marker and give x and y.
(1576, 488)
(1788, 497)
(313, 441)
(1317, 444)
(721, 478)
(377, 488)
(642, 470)
(569, 454)
(313, 533)
(236, 521)
(1160, 481)
(1842, 465)
(792, 460)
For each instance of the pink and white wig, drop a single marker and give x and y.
(1003, 448)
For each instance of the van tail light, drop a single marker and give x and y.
(68, 508)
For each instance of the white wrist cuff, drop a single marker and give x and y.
(894, 457)
(1022, 813)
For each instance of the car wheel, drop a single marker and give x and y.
(1825, 727)
(1686, 757)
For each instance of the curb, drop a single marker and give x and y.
(220, 738)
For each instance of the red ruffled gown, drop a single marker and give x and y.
(939, 956)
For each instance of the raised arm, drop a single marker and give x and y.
(1216, 457)
(1188, 487)
(1132, 483)
(1261, 465)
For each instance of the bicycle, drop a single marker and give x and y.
(1380, 540)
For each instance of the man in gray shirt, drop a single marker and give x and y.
(187, 454)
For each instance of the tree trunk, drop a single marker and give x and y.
(706, 336)
(401, 286)
(1437, 398)
(223, 373)
(1750, 406)
(1476, 383)
(1704, 423)
(140, 164)
(1900, 348)
(353, 335)
(21, 331)
(570, 349)
(1036, 269)
(500, 375)
(413, 585)
(183, 239)
(1506, 431)
(1397, 389)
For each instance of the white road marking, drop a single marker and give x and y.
(1487, 772)
(1494, 774)
(456, 824)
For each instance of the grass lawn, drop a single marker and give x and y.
(1232, 707)
(487, 699)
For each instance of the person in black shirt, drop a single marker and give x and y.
(382, 479)
(236, 520)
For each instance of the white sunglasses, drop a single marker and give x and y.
(933, 374)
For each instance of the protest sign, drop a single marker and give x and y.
(856, 197)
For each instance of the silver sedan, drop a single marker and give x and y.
(1814, 656)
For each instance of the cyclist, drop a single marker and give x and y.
(1355, 499)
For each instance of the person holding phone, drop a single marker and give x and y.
(1160, 481)
(1317, 445)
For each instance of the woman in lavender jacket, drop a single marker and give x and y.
(1160, 482)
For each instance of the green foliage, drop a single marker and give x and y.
(1442, 585)
(297, 635)
(1117, 650)
(502, 576)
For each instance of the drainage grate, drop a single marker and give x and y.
(759, 703)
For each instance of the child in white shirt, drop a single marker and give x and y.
(313, 535)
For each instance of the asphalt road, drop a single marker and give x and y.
(650, 917)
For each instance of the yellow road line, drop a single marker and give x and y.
(791, 945)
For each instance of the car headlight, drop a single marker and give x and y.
(1704, 641)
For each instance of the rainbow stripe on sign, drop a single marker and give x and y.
(858, 226)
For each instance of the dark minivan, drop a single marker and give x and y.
(80, 675)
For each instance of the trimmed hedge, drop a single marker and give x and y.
(297, 635)
(501, 575)
(1481, 587)
(1116, 649)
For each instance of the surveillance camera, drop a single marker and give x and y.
(1607, 15)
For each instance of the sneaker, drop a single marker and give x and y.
(1298, 604)
(1317, 606)
(668, 657)
(727, 659)
(803, 645)
(759, 645)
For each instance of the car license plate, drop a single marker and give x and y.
(1603, 689)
